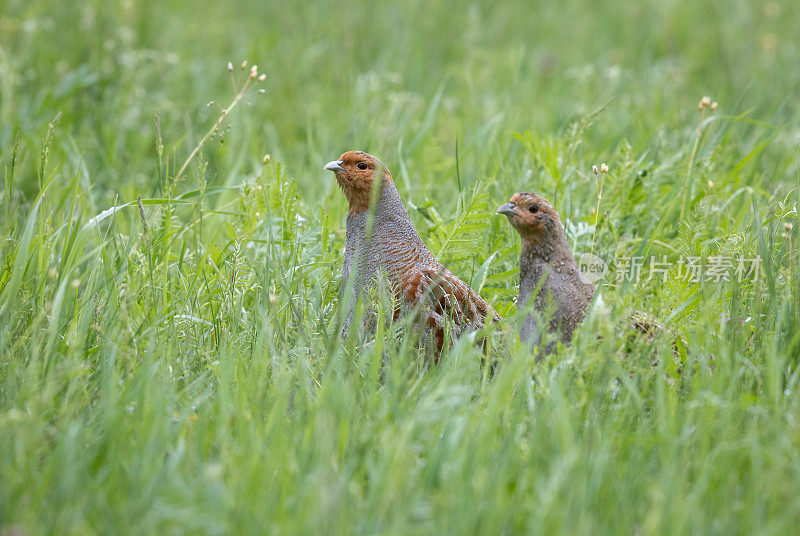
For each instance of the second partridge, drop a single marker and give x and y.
(546, 263)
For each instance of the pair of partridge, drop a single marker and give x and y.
(384, 241)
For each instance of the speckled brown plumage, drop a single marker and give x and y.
(546, 254)
(395, 248)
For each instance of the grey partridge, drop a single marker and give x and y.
(546, 263)
(394, 248)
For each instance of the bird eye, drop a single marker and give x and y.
(534, 208)
(362, 165)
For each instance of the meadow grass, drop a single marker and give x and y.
(171, 354)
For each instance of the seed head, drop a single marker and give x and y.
(230, 66)
(713, 106)
(788, 226)
(253, 71)
(710, 185)
(603, 168)
(244, 65)
(705, 101)
(264, 77)
(265, 160)
(594, 170)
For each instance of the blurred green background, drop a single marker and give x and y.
(401, 80)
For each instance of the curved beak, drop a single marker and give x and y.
(506, 209)
(334, 165)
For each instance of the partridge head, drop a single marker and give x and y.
(355, 173)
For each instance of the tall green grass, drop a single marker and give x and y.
(171, 359)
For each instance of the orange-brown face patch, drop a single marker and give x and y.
(529, 213)
(356, 178)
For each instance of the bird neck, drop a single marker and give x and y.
(552, 249)
(390, 223)
(359, 192)
(549, 257)
(388, 207)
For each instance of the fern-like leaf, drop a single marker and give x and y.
(460, 239)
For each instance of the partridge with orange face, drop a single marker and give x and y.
(546, 263)
(394, 248)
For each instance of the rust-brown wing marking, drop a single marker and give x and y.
(439, 295)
